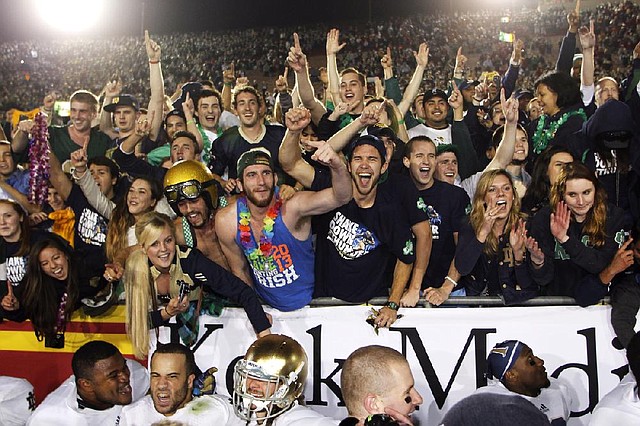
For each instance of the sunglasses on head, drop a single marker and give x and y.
(189, 190)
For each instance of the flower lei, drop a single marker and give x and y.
(542, 136)
(39, 161)
(258, 255)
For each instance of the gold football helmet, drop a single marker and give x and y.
(270, 378)
(188, 180)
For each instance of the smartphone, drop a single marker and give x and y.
(62, 108)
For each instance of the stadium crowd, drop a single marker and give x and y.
(399, 169)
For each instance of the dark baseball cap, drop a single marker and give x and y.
(193, 88)
(434, 93)
(374, 141)
(252, 157)
(468, 83)
(123, 100)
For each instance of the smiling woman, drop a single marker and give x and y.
(70, 15)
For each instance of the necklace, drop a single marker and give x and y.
(542, 136)
(258, 255)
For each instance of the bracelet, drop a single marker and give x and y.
(452, 280)
(157, 61)
(401, 121)
(190, 122)
(165, 311)
(228, 84)
(392, 305)
(537, 264)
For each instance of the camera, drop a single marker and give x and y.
(55, 342)
(185, 289)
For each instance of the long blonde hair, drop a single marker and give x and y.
(478, 208)
(139, 287)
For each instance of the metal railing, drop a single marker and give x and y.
(470, 301)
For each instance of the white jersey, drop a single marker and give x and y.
(438, 136)
(204, 410)
(301, 416)
(554, 401)
(16, 401)
(61, 405)
(621, 406)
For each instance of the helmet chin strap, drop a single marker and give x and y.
(260, 405)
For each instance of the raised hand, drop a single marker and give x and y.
(333, 42)
(559, 222)
(456, 100)
(296, 119)
(324, 154)
(422, 55)
(535, 252)
(387, 61)
(153, 48)
(113, 88)
(143, 126)
(573, 18)
(187, 106)
(297, 59)
(461, 60)
(509, 108)
(281, 82)
(371, 114)
(587, 36)
(229, 75)
(516, 55)
(517, 238)
(340, 109)
(488, 221)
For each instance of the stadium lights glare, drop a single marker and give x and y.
(70, 15)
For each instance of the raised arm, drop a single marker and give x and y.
(310, 203)
(568, 46)
(588, 43)
(20, 139)
(228, 80)
(504, 153)
(290, 157)
(298, 62)
(89, 187)
(156, 82)
(111, 90)
(333, 47)
(410, 93)
(58, 179)
(370, 116)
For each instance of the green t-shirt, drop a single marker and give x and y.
(63, 146)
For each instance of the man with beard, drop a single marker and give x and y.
(191, 190)
(173, 370)
(516, 370)
(102, 383)
(273, 239)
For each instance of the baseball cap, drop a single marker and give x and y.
(252, 157)
(502, 357)
(523, 94)
(374, 141)
(123, 100)
(381, 130)
(16, 400)
(468, 83)
(446, 147)
(193, 88)
(175, 112)
(434, 93)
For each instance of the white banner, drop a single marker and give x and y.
(446, 348)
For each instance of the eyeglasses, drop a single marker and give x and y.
(189, 190)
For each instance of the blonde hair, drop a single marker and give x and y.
(140, 291)
(478, 209)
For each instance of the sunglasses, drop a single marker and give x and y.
(189, 190)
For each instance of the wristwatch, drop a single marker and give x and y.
(392, 305)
